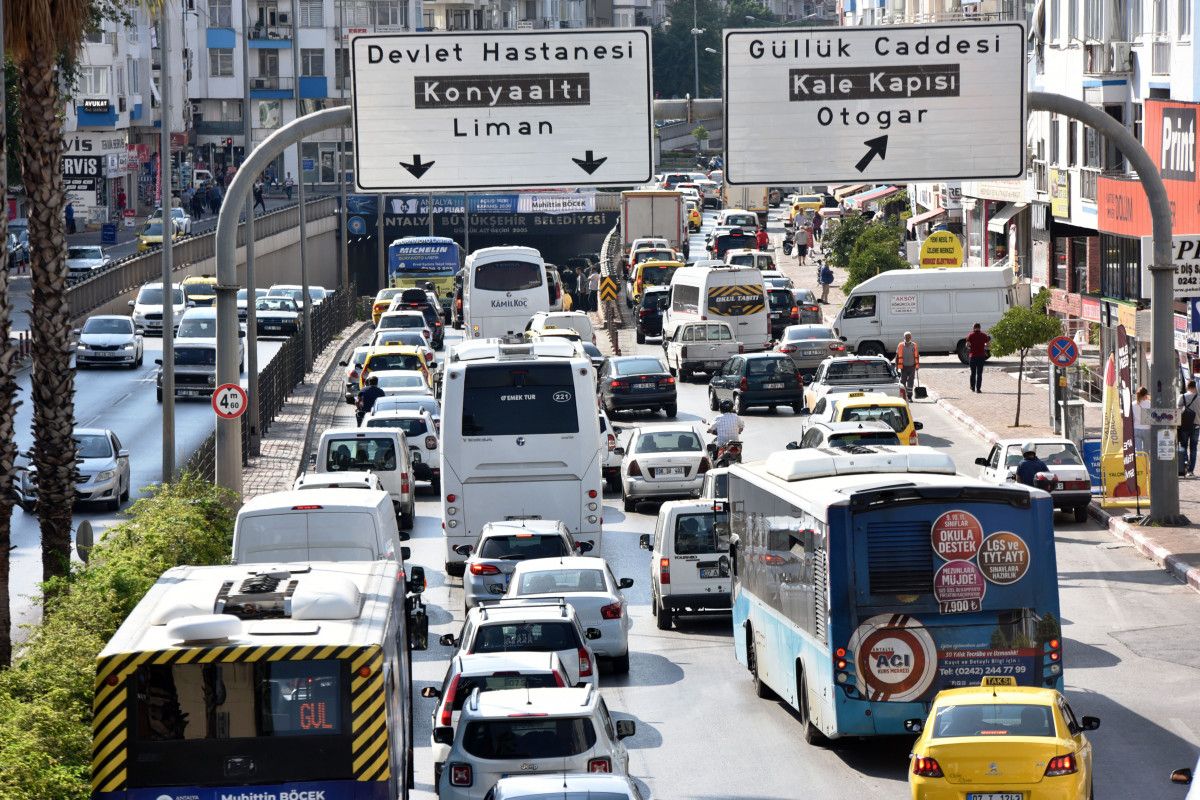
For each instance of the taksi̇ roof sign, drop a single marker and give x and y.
(492, 110)
(918, 103)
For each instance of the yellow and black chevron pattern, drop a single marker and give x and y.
(110, 726)
(733, 301)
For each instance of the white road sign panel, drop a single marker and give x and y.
(1185, 257)
(502, 110)
(918, 103)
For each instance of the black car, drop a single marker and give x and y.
(757, 379)
(782, 303)
(655, 300)
(418, 300)
(736, 239)
(636, 382)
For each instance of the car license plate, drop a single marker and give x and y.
(710, 572)
(772, 385)
(996, 796)
(643, 386)
(814, 352)
(189, 392)
(667, 472)
(1058, 487)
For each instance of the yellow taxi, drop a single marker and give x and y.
(394, 357)
(805, 202)
(152, 235)
(1000, 741)
(383, 301)
(694, 217)
(864, 406)
(652, 273)
(200, 290)
(651, 254)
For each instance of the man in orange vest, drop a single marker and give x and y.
(908, 361)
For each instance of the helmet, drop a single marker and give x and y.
(1028, 447)
(726, 406)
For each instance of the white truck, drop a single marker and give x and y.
(652, 213)
(751, 198)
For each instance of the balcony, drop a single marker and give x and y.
(271, 87)
(270, 37)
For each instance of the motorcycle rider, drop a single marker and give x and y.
(1028, 469)
(726, 428)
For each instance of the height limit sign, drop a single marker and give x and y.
(502, 110)
(823, 105)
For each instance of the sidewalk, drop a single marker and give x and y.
(990, 416)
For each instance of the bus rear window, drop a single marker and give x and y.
(529, 399)
(508, 276)
(242, 700)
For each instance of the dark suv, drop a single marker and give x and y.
(758, 379)
(418, 300)
(782, 303)
(636, 382)
(654, 301)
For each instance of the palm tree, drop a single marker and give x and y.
(8, 400)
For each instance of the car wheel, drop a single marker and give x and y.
(670, 410)
(140, 359)
(1081, 513)
(159, 393)
(663, 618)
(797, 408)
(870, 349)
(614, 484)
(406, 520)
(436, 485)
(685, 375)
(774, 409)
(455, 570)
(739, 403)
(641, 337)
(761, 690)
(115, 503)
(125, 494)
(627, 502)
(620, 664)
(712, 401)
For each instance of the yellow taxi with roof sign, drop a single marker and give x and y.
(870, 406)
(387, 357)
(653, 273)
(1001, 741)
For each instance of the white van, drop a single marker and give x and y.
(502, 288)
(383, 451)
(939, 306)
(761, 260)
(690, 568)
(721, 294)
(316, 525)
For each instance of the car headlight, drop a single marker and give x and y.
(130, 346)
(212, 380)
(107, 474)
(81, 346)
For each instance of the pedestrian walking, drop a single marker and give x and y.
(121, 200)
(288, 185)
(258, 197)
(825, 278)
(367, 397)
(198, 202)
(70, 211)
(908, 361)
(761, 238)
(817, 223)
(977, 355)
(1141, 421)
(214, 199)
(593, 288)
(803, 240)
(1189, 433)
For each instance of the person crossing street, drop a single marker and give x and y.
(908, 361)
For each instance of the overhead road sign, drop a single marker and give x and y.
(880, 105)
(502, 110)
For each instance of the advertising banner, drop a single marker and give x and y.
(1123, 481)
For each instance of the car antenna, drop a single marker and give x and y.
(529, 695)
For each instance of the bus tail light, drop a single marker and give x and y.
(585, 663)
(430, 442)
(600, 765)
(924, 767)
(1052, 659)
(664, 571)
(841, 666)
(612, 611)
(634, 469)
(1062, 765)
(448, 702)
(484, 569)
(460, 775)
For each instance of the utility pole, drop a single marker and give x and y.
(697, 31)
(343, 64)
(252, 413)
(306, 309)
(164, 201)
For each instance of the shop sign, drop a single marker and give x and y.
(1008, 191)
(1127, 316)
(1089, 308)
(1185, 258)
(941, 249)
(97, 105)
(951, 196)
(1060, 193)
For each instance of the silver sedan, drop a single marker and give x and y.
(809, 345)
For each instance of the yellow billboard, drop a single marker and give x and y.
(942, 249)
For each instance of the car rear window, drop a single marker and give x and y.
(394, 361)
(769, 366)
(895, 416)
(853, 439)
(780, 299)
(402, 321)
(561, 581)
(529, 637)
(652, 299)
(529, 737)
(412, 426)
(860, 371)
(1007, 719)
(639, 366)
(499, 681)
(696, 534)
(806, 332)
(668, 442)
(361, 454)
(1055, 454)
(522, 546)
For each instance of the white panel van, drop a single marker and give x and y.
(939, 306)
(383, 451)
(689, 560)
(316, 525)
(721, 294)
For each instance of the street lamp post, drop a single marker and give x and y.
(697, 32)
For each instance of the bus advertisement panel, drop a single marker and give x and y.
(858, 605)
(417, 260)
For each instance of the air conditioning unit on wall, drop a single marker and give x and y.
(1120, 57)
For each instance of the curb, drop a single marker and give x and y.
(1175, 566)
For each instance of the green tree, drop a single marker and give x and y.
(876, 250)
(1019, 331)
(676, 57)
(838, 241)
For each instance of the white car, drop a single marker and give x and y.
(183, 223)
(103, 466)
(401, 381)
(663, 462)
(578, 321)
(612, 459)
(406, 320)
(485, 672)
(1072, 486)
(243, 296)
(847, 434)
(589, 586)
(147, 308)
(276, 316)
(85, 260)
(339, 480)
(576, 784)
(291, 290)
(353, 365)
(109, 340)
(527, 732)
(423, 402)
(421, 432)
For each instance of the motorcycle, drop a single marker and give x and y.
(727, 454)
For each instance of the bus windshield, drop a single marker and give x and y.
(528, 399)
(508, 276)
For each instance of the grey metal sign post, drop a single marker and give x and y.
(252, 417)
(168, 227)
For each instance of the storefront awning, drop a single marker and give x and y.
(878, 193)
(1000, 220)
(928, 216)
(843, 192)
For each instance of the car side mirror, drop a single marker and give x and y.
(593, 633)
(122, 454)
(914, 725)
(463, 549)
(241, 334)
(1090, 723)
(158, 361)
(918, 426)
(405, 553)
(981, 461)
(584, 547)
(625, 583)
(618, 451)
(191, 303)
(431, 691)
(443, 735)
(626, 728)
(1183, 776)
(75, 331)
(139, 331)
(416, 579)
(447, 640)
(793, 445)
(130, 304)
(644, 541)
(806, 411)
(843, 338)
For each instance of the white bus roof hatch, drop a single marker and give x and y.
(794, 465)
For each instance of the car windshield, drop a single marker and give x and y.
(109, 325)
(296, 294)
(749, 220)
(412, 426)
(809, 332)
(400, 381)
(84, 252)
(195, 356)
(668, 442)
(696, 534)
(895, 416)
(1002, 719)
(361, 454)
(387, 294)
(276, 304)
(531, 637)
(508, 276)
(499, 682)
(529, 737)
(853, 439)
(92, 445)
(1055, 454)
(198, 328)
(153, 296)
(153, 229)
(805, 296)
(876, 371)
(770, 366)
(199, 289)
(522, 546)
(561, 581)
(639, 366)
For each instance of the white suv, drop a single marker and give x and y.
(542, 626)
(528, 732)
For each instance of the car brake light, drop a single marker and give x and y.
(617, 384)
(667, 380)
(634, 469)
(1062, 765)
(795, 312)
(903, 394)
(743, 384)
(448, 701)
(834, 347)
(644, 312)
(925, 767)
(585, 663)
(306, 508)
(599, 765)
(813, 309)
(612, 442)
(704, 466)
(786, 348)
(430, 442)
(664, 571)
(612, 611)
(484, 569)
(460, 775)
